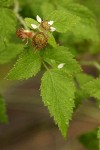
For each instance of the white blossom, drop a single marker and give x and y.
(50, 22)
(61, 65)
(39, 20)
(34, 26)
(52, 29)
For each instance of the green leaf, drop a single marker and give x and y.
(92, 5)
(83, 78)
(3, 116)
(82, 12)
(27, 65)
(63, 20)
(51, 41)
(10, 51)
(57, 91)
(7, 23)
(5, 3)
(89, 140)
(93, 88)
(47, 8)
(60, 54)
(86, 27)
(30, 21)
(34, 7)
(63, 3)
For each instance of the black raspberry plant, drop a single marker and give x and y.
(51, 43)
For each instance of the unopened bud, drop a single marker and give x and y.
(40, 40)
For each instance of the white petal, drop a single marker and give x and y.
(34, 26)
(26, 31)
(50, 22)
(38, 19)
(52, 29)
(61, 65)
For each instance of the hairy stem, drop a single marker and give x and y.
(16, 11)
(45, 66)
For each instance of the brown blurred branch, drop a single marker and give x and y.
(91, 63)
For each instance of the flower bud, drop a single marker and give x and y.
(44, 25)
(24, 34)
(40, 40)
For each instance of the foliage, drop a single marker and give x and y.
(89, 140)
(99, 137)
(81, 79)
(93, 88)
(53, 90)
(5, 3)
(27, 61)
(64, 84)
(61, 54)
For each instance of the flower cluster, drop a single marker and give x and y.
(39, 37)
(43, 25)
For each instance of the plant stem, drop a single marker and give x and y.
(16, 11)
(45, 66)
(91, 63)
